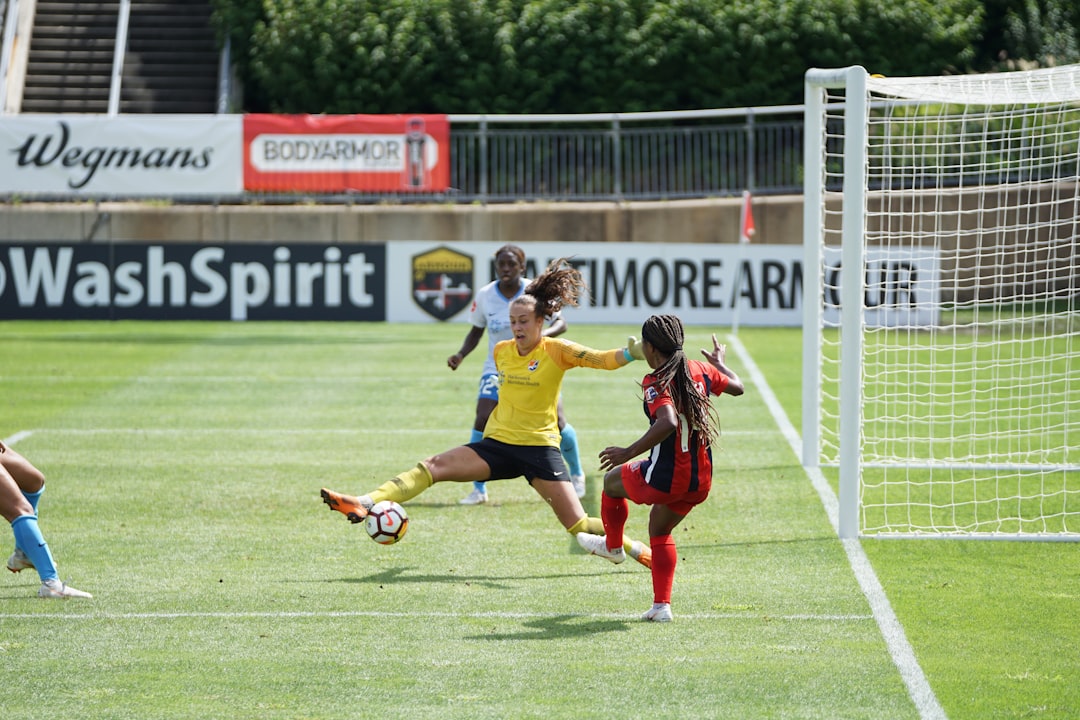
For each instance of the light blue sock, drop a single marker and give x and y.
(28, 538)
(477, 436)
(31, 498)
(569, 449)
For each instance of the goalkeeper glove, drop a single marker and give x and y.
(633, 347)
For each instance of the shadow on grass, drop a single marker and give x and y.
(561, 627)
(495, 582)
(750, 543)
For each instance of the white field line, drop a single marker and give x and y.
(335, 380)
(456, 431)
(21, 435)
(49, 617)
(903, 655)
(160, 379)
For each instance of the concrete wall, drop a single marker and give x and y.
(778, 221)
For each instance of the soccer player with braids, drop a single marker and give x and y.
(521, 437)
(677, 475)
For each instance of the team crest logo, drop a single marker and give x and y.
(533, 364)
(442, 282)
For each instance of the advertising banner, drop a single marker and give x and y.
(347, 153)
(759, 285)
(192, 281)
(901, 287)
(700, 283)
(126, 155)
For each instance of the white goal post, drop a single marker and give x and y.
(941, 335)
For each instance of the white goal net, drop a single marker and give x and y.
(942, 314)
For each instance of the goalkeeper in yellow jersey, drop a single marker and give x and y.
(521, 437)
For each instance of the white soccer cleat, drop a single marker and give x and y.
(18, 561)
(660, 612)
(55, 589)
(476, 497)
(597, 545)
(578, 481)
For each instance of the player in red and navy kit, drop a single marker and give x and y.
(521, 437)
(677, 475)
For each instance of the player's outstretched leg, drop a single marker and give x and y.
(350, 506)
(403, 486)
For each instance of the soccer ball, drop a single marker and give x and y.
(386, 522)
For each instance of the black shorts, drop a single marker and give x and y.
(528, 461)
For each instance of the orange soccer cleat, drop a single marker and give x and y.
(352, 508)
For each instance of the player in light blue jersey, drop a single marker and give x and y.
(21, 485)
(491, 312)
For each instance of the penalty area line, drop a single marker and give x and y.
(496, 615)
(215, 432)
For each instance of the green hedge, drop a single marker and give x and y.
(542, 56)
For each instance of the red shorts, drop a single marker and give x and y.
(642, 493)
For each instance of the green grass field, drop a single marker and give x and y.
(184, 462)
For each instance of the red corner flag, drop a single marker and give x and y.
(746, 221)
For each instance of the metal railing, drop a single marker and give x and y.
(624, 156)
(665, 155)
(9, 13)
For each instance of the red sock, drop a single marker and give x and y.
(614, 511)
(664, 558)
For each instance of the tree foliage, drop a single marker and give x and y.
(571, 56)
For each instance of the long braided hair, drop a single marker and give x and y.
(559, 285)
(665, 333)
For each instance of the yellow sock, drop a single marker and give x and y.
(581, 525)
(404, 486)
(593, 525)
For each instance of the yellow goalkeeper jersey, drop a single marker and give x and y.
(529, 386)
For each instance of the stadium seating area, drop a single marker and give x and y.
(169, 60)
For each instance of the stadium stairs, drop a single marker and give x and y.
(170, 66)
